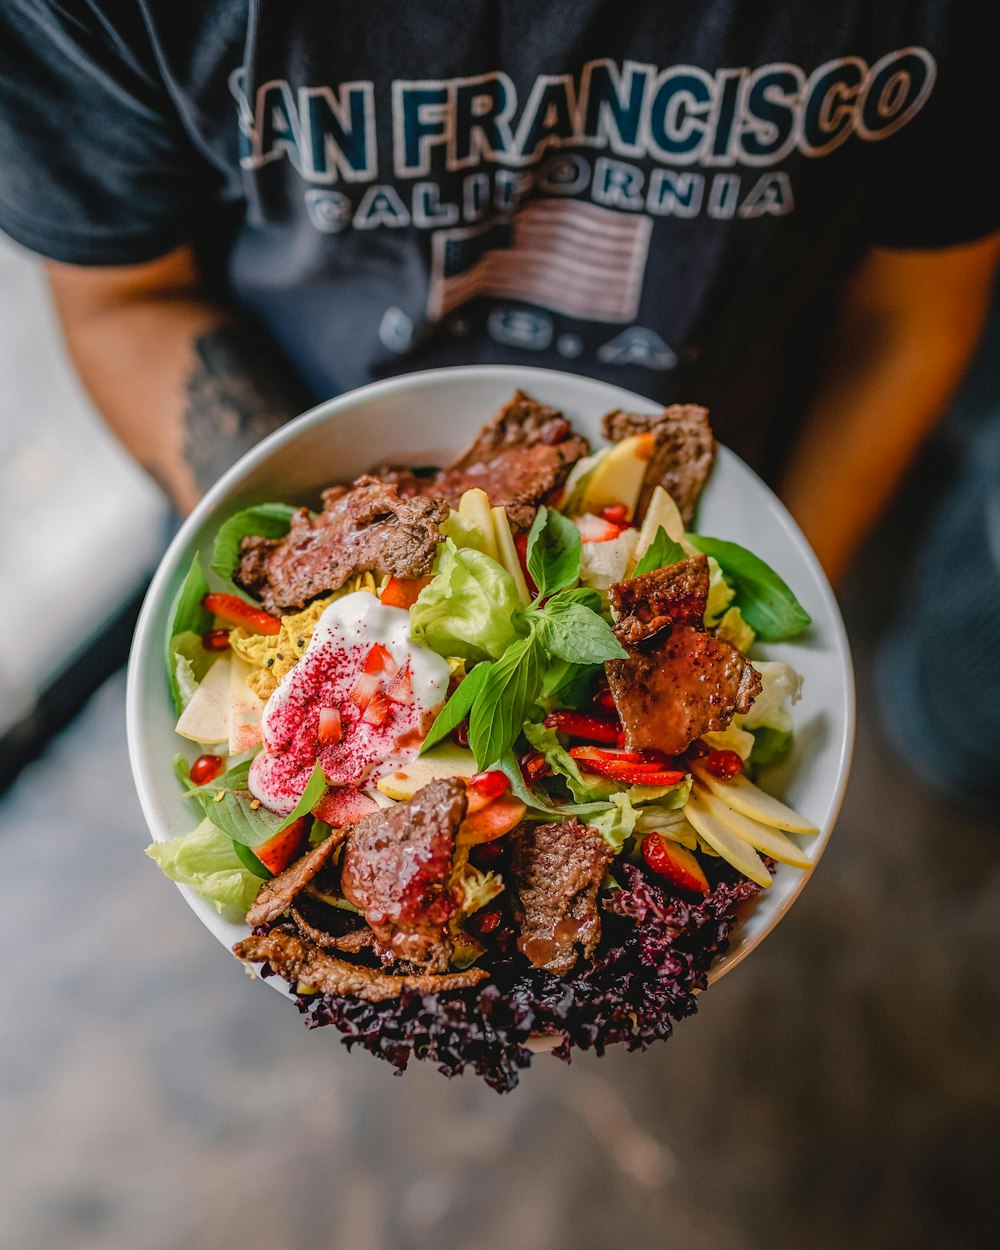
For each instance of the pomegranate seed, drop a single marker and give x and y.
(483, 922)
(616, 513)
(606, 700)
(556, 431)
(379, 660)
(461, 733)
(330, 728)
(215, 639)
(378, 709)
(490, 784)
(400, 689)
(364, 689)
(724, 764)
(534, 766)
(205, 769)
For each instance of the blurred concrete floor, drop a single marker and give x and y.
(840, 1089)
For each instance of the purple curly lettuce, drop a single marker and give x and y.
(655, 953)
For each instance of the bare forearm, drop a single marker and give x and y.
(900, 349)
(185, 386)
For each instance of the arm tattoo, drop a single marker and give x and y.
(238, 391)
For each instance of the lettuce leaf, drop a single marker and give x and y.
(205, 860)
(770, 746)
(187, 662)
(470, 608)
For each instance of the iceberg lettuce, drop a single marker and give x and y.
(205, 860)
(470, 608)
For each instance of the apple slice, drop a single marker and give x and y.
(662, 512)
(492, 821)
(508, 552)
(446, 760)
(762, 838)
(618, 477)
(733, 849)
(206, 717)
(743, 796)
(245, 708)
(474, 507)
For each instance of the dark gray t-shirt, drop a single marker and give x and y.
(659, 193)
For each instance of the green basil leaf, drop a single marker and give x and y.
(458, 706)
(502, 704)
(250, 862)
(311, 795)
(660, 553)
(264, 520)
(228, 804)
(769, 607)
(186, 616)
(572, 632)
(568, 685)
(553, 552)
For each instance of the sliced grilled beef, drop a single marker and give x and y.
(683, 455)
(365, 527)
(330, 927)
(518, 459)
(555, 871)
(679, 682)
(297, 960)
(395, 869)
(275, 896)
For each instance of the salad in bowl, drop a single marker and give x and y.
(471, 751)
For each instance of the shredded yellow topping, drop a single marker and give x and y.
(273, 655)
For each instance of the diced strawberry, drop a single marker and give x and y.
(676, 863)
(616, 513)
(595, 530)
(379, 660)
(582, 725)
(331, 729)
(378, 709)
(364, 689)
(400, 689)
(402, 592)
(284, 848)
(232, 608)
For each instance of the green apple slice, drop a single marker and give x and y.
(474, 507)
(206, 717)
(508, 552)
(762, 838)
(743, 796)
(733, 849)
(446, 760)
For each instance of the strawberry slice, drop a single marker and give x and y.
(285, 847)
(675, 862)
(402, 592)
(233, 609)
(612, 765)
(583, 725)
(593, 529)
(364, 689)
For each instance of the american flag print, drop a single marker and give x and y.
(575, 258)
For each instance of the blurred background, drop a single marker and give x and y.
(842, 1089)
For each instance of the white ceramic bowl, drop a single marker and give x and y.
(426, 418)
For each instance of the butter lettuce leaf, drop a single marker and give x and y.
(471, 607)
(205, 860)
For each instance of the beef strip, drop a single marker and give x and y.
(275, 896)
(679, 682)
(365, 527)
(330, 927)
(554, 874)
(519, 459)
(683, 454)
(297, 960)
(395, 869)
